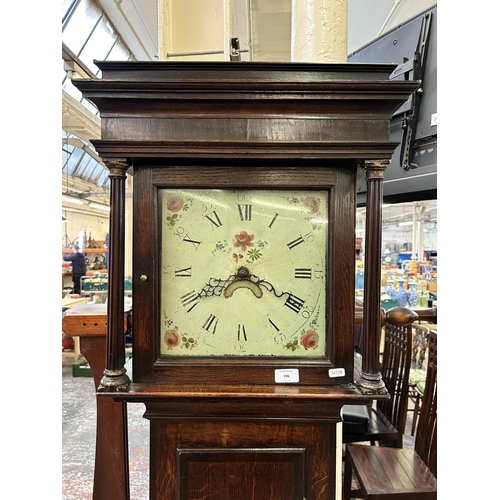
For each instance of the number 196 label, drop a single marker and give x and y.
(289, 376)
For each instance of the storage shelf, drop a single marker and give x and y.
(86, 250)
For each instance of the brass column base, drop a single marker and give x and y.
(114, 381)
(371, 384)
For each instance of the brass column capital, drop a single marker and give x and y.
(117, 167)
(374, 170)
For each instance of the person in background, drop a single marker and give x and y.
(79, 266)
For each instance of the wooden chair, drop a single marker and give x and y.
(416, 387)
(396, 473)
(416, 379)
(385, 422)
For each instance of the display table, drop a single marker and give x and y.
(69, 303)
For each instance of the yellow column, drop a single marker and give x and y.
(319, 31)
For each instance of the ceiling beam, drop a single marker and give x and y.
(78, 120)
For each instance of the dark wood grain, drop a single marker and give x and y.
(170, 437)
(243, 473)
(394, 473)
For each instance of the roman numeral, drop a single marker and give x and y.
(245, 211)
(303, 273)
(274, 220)
(274, 326)
(194, 242)
(183, 273)
(296, 242)
(190, 300)
(211, 324)
(294, 303)
(242, 334)
(214, 219)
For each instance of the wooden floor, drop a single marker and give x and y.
(78, 439)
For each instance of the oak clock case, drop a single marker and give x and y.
(221, 425)
(243, 273)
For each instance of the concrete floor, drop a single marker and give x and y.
(78, 439)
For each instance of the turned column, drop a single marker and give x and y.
(370, 381)
(115, 375)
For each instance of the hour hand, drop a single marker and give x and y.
(214, 287)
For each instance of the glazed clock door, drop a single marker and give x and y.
(235, 273)
(243, 272)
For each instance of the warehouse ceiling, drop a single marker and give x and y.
(133, 24)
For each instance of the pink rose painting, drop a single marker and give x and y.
(243, 240)
(175, 203)
(172, 338)
(312, 204)
(309, 340)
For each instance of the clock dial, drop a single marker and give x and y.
(243, 272)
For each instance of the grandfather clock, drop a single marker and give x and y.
(243, 265)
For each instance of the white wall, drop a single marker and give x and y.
(368, 19)
(395, 238)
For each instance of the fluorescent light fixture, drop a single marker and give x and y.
(407, 223)
(72, 199)
(99, 206)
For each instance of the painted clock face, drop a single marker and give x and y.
(243, 273)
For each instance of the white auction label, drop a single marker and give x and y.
(288, 376)
(336, 372)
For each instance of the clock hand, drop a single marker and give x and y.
(242, 279)
(269, 287)
(214, 287)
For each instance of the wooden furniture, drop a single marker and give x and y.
(68, 303)
(397, 473)
(420, 338)
(217, 137)
(386, 419)
(421, 334)
(416, 380)
(89, 323)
